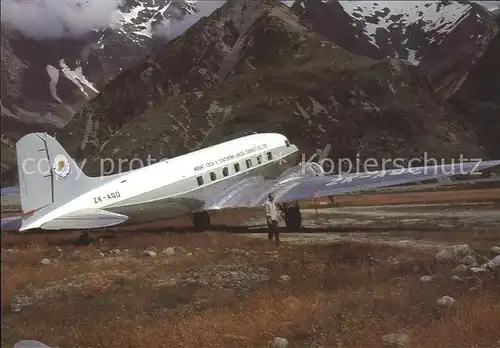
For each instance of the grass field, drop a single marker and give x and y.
(230, 290)
(223, 290)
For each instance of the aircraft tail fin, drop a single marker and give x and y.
(47, 174)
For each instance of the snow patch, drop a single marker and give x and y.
(383, 15)
(412, 58)
(76, 76)
(128, 17)
(53, 73)
(148, 30)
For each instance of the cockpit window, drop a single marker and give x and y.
(287, 143)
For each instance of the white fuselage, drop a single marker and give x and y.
(185, 184)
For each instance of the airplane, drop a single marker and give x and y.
(235, 174)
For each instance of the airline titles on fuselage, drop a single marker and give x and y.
(231, 157)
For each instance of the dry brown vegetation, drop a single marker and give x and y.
(346, 293)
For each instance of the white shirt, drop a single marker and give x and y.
(271, 211)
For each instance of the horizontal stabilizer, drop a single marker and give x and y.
(85, 219)
(10, 191)
(341, 184)
(12, 223)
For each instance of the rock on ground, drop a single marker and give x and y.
(149, 253)
(168, 251)
(481, 269)
(494, 264)
(460, 269)
(285, 278)
(446, 301)
(45, 262)
(279, 342)
(469, 260)
(395, 340)
(456, 253)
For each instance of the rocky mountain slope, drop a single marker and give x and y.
(251, 66)
(443, 38)
(48, 76)
(478, 99)
(52, 77)
(247, 68)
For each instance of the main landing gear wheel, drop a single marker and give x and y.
(201, 221)
(292, 217)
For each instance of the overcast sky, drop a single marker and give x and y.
(58, 18)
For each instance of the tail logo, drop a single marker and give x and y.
(61, 166)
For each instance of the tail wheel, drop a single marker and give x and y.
(201, 221)
(293, 217)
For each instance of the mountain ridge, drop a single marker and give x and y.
(189, 73)
(444, 38)
(268, 64)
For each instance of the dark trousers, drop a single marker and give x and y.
(273, 231)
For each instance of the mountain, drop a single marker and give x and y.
(252, 66)
(46, 80)
(49, 79)
(478, 99)
(333, 73)
(443, 38)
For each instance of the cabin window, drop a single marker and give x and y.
(236, 167)
(200, 180)
(287, 143)
(213, 177)
(269, 156)
(259, 159)
(249, 163)
(225, 171)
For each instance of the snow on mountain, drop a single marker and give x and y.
(148, 18)
(444, 38)
(401, 29)
(430, 16)
(53, 65)
(76, 76)
(49, 78)
(58, 74)
(168, 18)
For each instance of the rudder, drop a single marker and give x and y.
(47, 174)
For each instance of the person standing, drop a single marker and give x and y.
(272, 219)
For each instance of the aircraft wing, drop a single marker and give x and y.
(303, 183)
(85, 219)
(322, 186)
